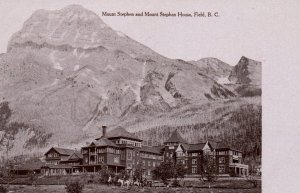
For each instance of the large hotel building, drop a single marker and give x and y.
(121, 150)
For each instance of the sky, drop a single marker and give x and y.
(243, 28)
(263, 30)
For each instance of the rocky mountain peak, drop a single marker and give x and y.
(247, 71)
(214, 67)
(72, 25)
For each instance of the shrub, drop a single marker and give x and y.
(3, 189)
(252, 180)
(74, 187)
(104, 174)
(176, 183)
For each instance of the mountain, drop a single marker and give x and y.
(214, 68)
(247, 71)
(246, 77)
(66, 73)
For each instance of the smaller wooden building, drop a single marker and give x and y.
(61, 161)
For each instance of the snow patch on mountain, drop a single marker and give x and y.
(94, 35)
(96, 80)
(54, 82)
(76, 67)
(56, 65)
(136, 91)
(77, 35)
(223, 80)
(109, 68)
(75, 52)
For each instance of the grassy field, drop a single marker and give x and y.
(55, 184)
(95, 188)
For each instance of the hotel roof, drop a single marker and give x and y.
(62, 151)
(150, 149)
(196, 147)
(103, 141)
(120, 132)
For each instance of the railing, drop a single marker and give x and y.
(238, 165)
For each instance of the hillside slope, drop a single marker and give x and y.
(66, 73)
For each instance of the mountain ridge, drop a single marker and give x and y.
(67, 77)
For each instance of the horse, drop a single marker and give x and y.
(137, 183)
(127, 183)
(124, 182)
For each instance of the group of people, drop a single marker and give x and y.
(129, 182)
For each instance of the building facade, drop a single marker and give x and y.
(61, 161)
(121, 150)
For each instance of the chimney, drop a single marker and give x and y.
(103, 131)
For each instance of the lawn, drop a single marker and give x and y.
(97, 188)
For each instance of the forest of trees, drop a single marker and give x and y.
(9, 130)
(239, 129)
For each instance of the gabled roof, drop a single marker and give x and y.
(150, 149)
(221, 146)
(120, 132)
(218, 145)
(30, 166)
(78, 154)
(176, 138)
(103, 141)
(61, 151)
(75, 156)
(196, 147)
(185, 146)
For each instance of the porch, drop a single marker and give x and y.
(238, 169)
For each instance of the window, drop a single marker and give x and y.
(194, 154)
(122, 155)
(144, 163)
(101, 159)
(194, 169)
(194, 161)
(223, 153)
(153, 164)
(149, 163)
(180, 154)
(129, 154)
(221, 160)
(221, 169)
